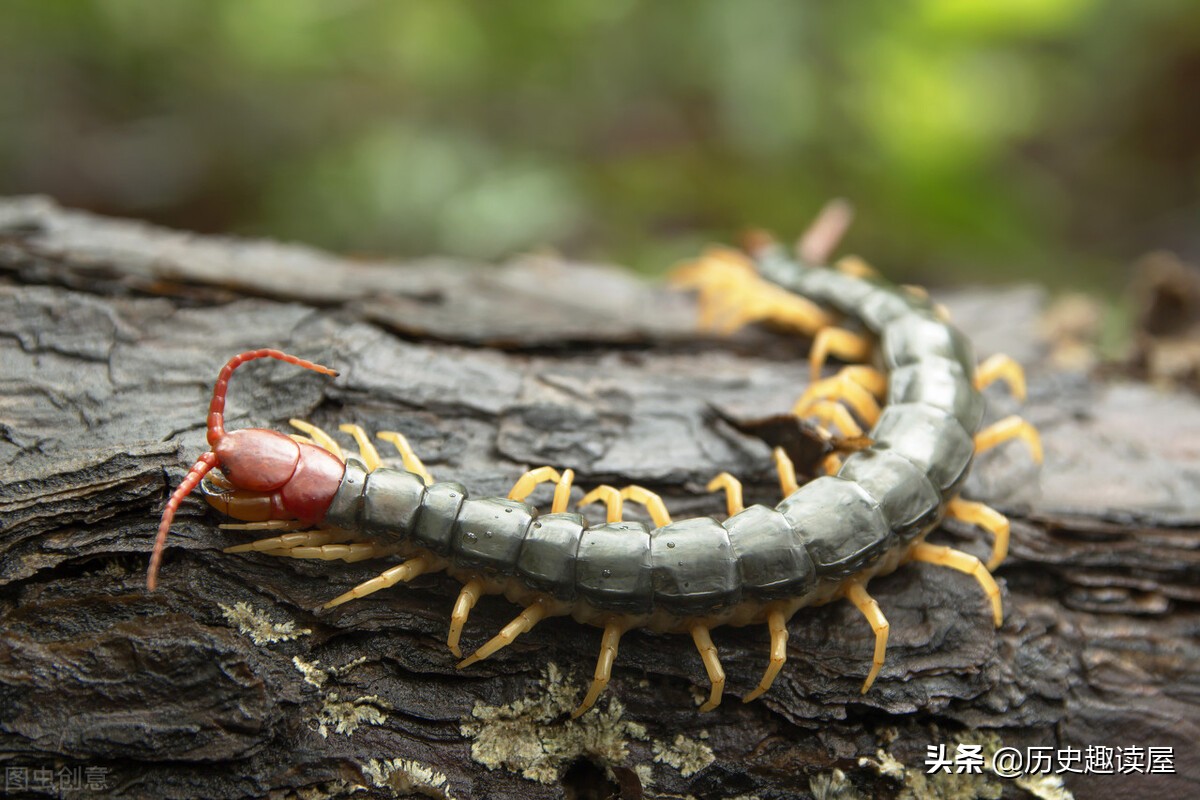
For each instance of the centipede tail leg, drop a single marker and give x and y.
(963, 562)
(733, 492)
(838, 342)
(856, 593)
(402, 572)
(712, 665)
(411, 462)
(1001, 367)
(534, 613)
(987, 518)
(608, 654)
(472, 590)
(1010, 428)
(777, 624)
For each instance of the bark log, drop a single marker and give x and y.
(229, 682)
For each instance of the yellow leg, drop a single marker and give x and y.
(366, 450)
(867, 377)
(266, 525)
(919, 292)
(841, 387)
(351, 552)
(608, 654)
(467, 598)
(319, 436)
(987, 518)
(285, 542)
(411, 462)
(653, 503)
(1010, 428)
(712, 665)
(856, 593)
(779, 636)
(823, 235)
(611, 497)
(786, 470)
(733, 491)
(856, 267)
(1001, 367)
(402, 572)
(963, 562)
(523, 623)
(832, 464)
(534, 477)
(830, 412)
(837, 342)
(732, 294)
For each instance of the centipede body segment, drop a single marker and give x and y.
(918, 402)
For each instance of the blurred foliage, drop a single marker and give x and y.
(1003, 139)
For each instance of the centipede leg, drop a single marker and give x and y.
(856, 593)
(732, 295)
(841, 387)
(284, 542)
(350, 552)
(856, 267)
(786, 470)
(1010, 428)
(534, 613)
(987, 518)
(264, 525)
(733, 491)
(411, 462)
(320, 437)
(1001, 367)
(610, 496)
(467, 598)
(830, 412)
(712, 665)
(652, 502)
(534, 477)
(608, 654)
(777, 624)
(838, 342)
(402, 572)
(366, 450)
(963, 562)
(831, 464)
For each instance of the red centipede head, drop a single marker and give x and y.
(254, 459)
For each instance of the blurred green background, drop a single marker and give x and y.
(978, 139)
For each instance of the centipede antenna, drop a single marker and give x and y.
(205, 463)
(216, 409)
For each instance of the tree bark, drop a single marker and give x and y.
(229, 681)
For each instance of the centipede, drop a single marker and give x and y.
(910, 390)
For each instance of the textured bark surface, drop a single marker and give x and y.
(229, 682)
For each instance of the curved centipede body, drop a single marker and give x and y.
(759, 565)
